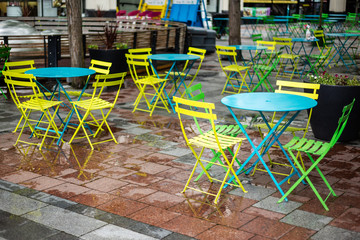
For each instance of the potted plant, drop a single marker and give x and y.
(110, 51)
(335, 92)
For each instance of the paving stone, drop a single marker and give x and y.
(133, 225)
(62, 236)
(16, 227)
(307, 220)
(270, 203)
(17, 204)
(26, 192)
(254, 192)
(177, 152)
(53, 200)
(137, 131)
(86, 210)
(177, 236)
(334, 233)
(186, 159)
(148, 137)
(122, 122)
(110, 232)
(162, 144)
(9, 186)
(64, 220)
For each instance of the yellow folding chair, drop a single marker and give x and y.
(150, 87)
(207, 140)
(100, 67)
(18, 83)
(303, 89)
(288, 60)
(235, 74)
(97, 104)
(22, 67)
(192, 51)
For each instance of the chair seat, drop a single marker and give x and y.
(151, 80)
(231, 130)
(288, 56)
(208, 140)
(288, 129)
(317, 56)
(39, 104)
(77, 93)
(263, 67)
(308, 145)
(235, 68)
(97, 103)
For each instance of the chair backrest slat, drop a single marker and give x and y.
(342, 123)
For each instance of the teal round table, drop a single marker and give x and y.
(177, 73)
(268, 102)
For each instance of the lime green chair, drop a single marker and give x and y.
(318, 62)
(316, 151)
(264, 66)
(195, 93)
(4, 57)
(256, 37)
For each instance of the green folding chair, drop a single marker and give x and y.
(316, 148)
(4, 56)
(195, 93)
(264, 66)
(256, 37)
(319, 61)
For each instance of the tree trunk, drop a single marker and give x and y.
(321, 12)
(234, 22)
(73, 10)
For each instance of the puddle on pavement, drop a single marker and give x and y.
(53, 161)
(202, 205)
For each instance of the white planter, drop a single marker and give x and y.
(13, 11)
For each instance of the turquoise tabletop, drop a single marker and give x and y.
(60, 72)
(268, 102)
(287, 17)
(251, 18)
(336, 18)
(343, 34)
(280, 20)
(330, 20)
(221, 19)
(304, 40)
(312, 16)
(249, 47)
(337, 15)
(173, 57)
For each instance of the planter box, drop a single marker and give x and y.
(329, 109)
(116, 56)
